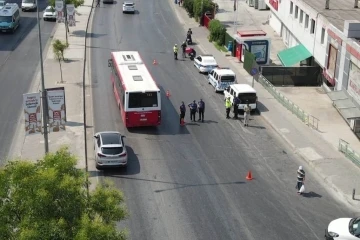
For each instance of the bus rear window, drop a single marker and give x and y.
(143, 100)
(227, 78)
(251, 97)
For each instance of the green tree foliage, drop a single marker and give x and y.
(48, 200)
(189, 7)
(76, 3)
(59, 49)
(207, 5)
(217, 32)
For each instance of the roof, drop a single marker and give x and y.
(208, 59)
(291, 56)
(224, 71)
(134, 72)
(340, 10)
(110, 138)
(241, 88)
(9, 9)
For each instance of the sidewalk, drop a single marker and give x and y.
(330, 165)
(32, 147)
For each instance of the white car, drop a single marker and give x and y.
(49, 13)
(28, 5)
(128, 7)
(110, 150)
(205, 63)
(343, 229)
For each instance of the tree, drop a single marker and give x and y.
(202, 6)
(48, 200)
(58, 49)
(189, 7)
(217, 32)
(76, 3)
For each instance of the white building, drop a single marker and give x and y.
(330, 31)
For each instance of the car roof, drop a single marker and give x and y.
(128, 2)
(224, 71)
(208, 59)
(243, 88)
(49, 7)
(110, 138)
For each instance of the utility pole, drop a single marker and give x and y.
(43, 91)
(235, 15)
(66, 24)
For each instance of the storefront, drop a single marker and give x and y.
(354, 82)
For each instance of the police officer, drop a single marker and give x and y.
(175, 51)
(182, 111)
(201, 106)
(236, 103)
(193, 110)
(227, 107)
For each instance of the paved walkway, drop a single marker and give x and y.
(32, 147)
(323, 157)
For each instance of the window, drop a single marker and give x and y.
(291, 7)
(251, 97)
(312, 26)
(306, 21)
(301, 16)
(227, 78)
(296, 11)
(143, 100)
(322, 35)
(112, 150)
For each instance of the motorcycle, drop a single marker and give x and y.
(189, 41)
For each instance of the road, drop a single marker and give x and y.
(19, 59)
(189, 183)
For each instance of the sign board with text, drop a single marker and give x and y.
(32, 112)
(71, 15)
(56, 110)
(59, 8)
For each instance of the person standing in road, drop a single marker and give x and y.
(300, 180)
(227, 107)
(247, 110)
(193, 110)
(201, 107)
(236, 107)
(182, 112)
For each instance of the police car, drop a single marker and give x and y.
(205, 63)
(221, 78)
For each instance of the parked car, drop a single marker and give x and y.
(110, 150)
(128, 7)
(49, 13)
(221, 78)
(244, 92)
(343, 229)
(205, 63)
(28, 5)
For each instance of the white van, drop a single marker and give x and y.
(9, 17)
(244, 92)
(28, 5)
(221, 78)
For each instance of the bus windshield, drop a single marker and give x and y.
(251, 97)
(227, 78)
(6, 19)
(143, 100)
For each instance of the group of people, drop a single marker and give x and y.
(236, 103)
(190, 51)
(194, 108)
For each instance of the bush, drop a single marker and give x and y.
(207, 6)
(217, 32)
(189, 7)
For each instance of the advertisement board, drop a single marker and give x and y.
(32, 113)
(71, 15)
(59, 8)
(354, 82)
(56, 110)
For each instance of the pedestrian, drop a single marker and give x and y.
(227, 107)
(98, 3)
(182, 112)
(236, 103)
(247, 110)
(201, 107)
(193, 110)
(300, 187)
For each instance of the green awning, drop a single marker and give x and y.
(294, 55)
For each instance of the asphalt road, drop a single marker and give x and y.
(19, 59)
(189, 182)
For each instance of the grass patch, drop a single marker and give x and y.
(220, 48)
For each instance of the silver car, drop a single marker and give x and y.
(110, 150)
(49, 13)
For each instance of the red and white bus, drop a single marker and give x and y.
(136, 92)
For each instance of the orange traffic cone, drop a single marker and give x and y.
(154, 62)
(249, 176)
(167, 93)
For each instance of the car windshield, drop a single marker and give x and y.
(6, 19)
(129, 4)
(28, 1)
(143, 100)
(251, 97)
(50, 10)
(110, 138)
(354, 227)
(111, 150)
(227, 78)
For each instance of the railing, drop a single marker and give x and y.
(345, 148)
(306, 118)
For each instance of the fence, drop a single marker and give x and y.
(306, 118)
(292, 76)
(345, 148)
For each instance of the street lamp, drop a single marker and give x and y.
(43, 91)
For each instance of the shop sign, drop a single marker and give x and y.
(260, 48)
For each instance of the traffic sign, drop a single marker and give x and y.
(254, 71)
